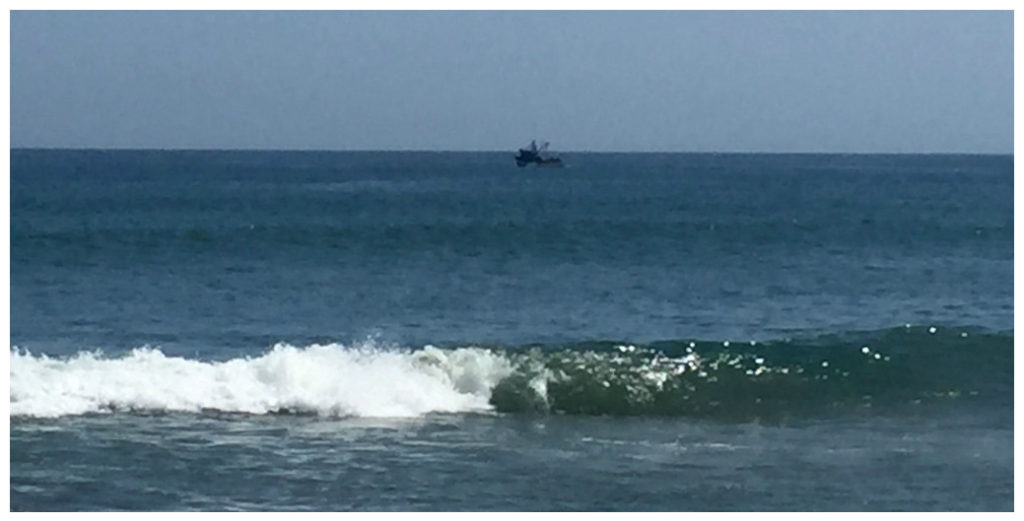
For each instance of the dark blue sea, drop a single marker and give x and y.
(241, 330)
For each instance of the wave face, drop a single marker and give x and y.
(826, 375)
(840, 373)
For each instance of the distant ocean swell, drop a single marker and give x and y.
(496, 233)
(831, 374)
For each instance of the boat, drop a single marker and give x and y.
(539, 156)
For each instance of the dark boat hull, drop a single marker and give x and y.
(527, 157)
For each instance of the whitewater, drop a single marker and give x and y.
(328, 380)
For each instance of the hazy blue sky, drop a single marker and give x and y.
(665, 81)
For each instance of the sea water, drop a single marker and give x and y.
(242, 330)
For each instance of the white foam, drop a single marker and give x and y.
(329, 380)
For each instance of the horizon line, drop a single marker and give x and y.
(510, 151)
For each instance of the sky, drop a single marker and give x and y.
(685, 81)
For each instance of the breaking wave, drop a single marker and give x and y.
(329, 380)
(828, 374)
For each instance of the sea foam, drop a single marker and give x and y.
(329, 380)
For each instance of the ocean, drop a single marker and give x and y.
(418, 331)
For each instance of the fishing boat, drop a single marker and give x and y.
(539, 156)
